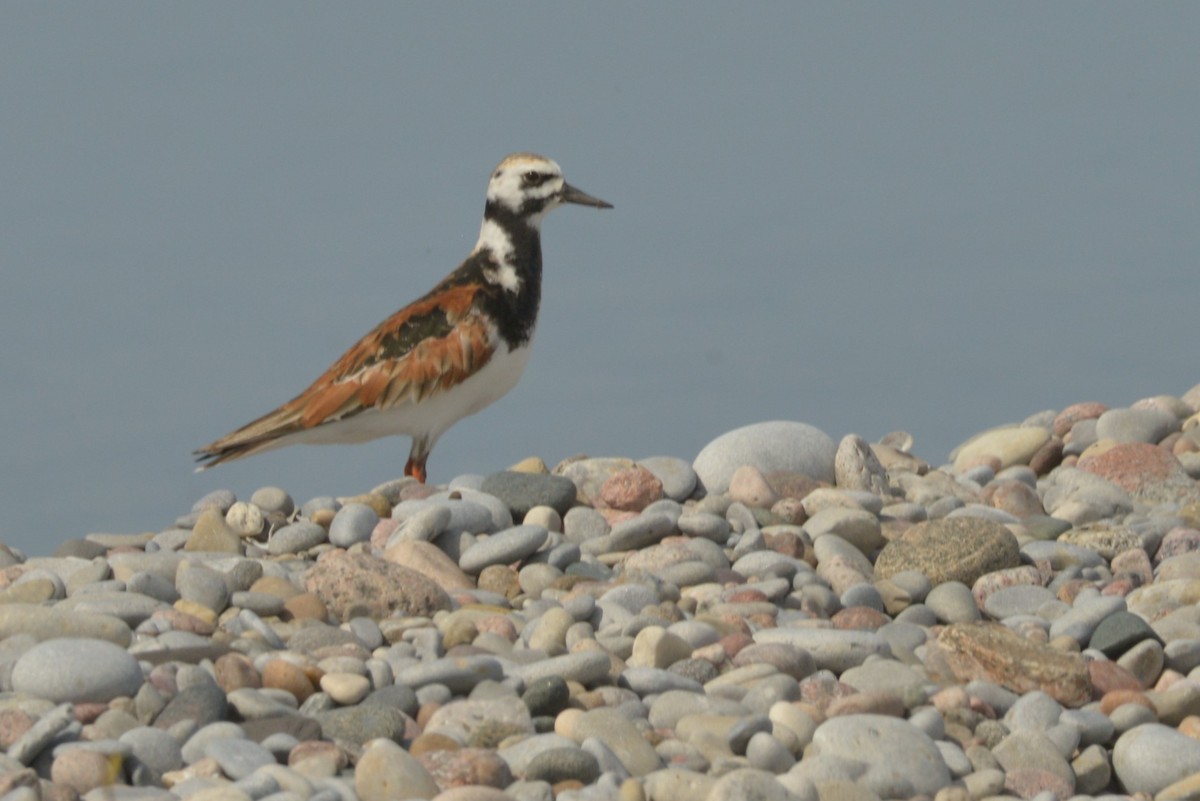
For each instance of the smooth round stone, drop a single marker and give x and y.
(677, 784)
(1148, 758)
(1182, 656)
(127, 606)
(952, 602)
(856, 526)
(482, 721)
(82, 770)
(1009, 446)
(653, 681)
(897, 759)
(273, 500)
(41, 734)
(239, 758)
(203, 585)
(1094, 727)
(883, 675)
(424, 524)
(260, 603)
(521, 492)
(77, 670)
(546, 517)
(1080, 497)
(550, 631)
(499, 516)
(519, 752)
(363, 723)
(677, 476)
(1118, 632)
(1083, 618)
(748, 784)
(536, 578)
(152, 586)
(220, 499)
(655, 647)
(913, 582)
(704, 525)
(832, 649)
(244, 519)
(865, 595)
(633, 534)
(952, 549)
(556, 765)
(154, 748)
(385, 772)
(546, 696)
(1029, 749)
(345, 688)
(194, 747)
(766, 752)
(1034, 710)
(1061, 555)
(503, 547)
(619, 734)
(353, 523)
(297, 537)
(459, 674)
(324, 504)
(771, 446)
(1130, 716)
(1021, 599)
(1136, 425)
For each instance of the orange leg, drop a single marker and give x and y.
(415, 468)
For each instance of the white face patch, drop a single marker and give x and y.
(508, 188)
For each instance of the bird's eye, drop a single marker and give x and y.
(534, 178)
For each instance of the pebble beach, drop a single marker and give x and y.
(787, 615)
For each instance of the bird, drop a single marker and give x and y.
(445, 356)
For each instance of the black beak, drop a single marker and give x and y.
(572, 195)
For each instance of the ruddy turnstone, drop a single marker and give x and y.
(443, 357)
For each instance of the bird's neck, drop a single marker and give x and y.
(510, 249)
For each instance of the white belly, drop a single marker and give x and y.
(430, 418)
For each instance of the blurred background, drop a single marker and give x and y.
(932, 217)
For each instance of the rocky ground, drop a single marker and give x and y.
(784, 617)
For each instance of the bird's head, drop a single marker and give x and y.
(529, 186)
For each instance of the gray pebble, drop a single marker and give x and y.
(952, 602)
(154, 748)
(273, 501)
(503, 547)
(1136, 425)
(780, 445)
(203, 585)
(1150, 757)
(41, 734)
(582, 523)
(704, 525)
(556, 765)
(426, 523)
(295, 538)
(352, 524)
(832, 649)
(220, 500)
(318, 504)
(238, 758)
(521, 492)
(1085, 615)
(77, 670)
(677, 476)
